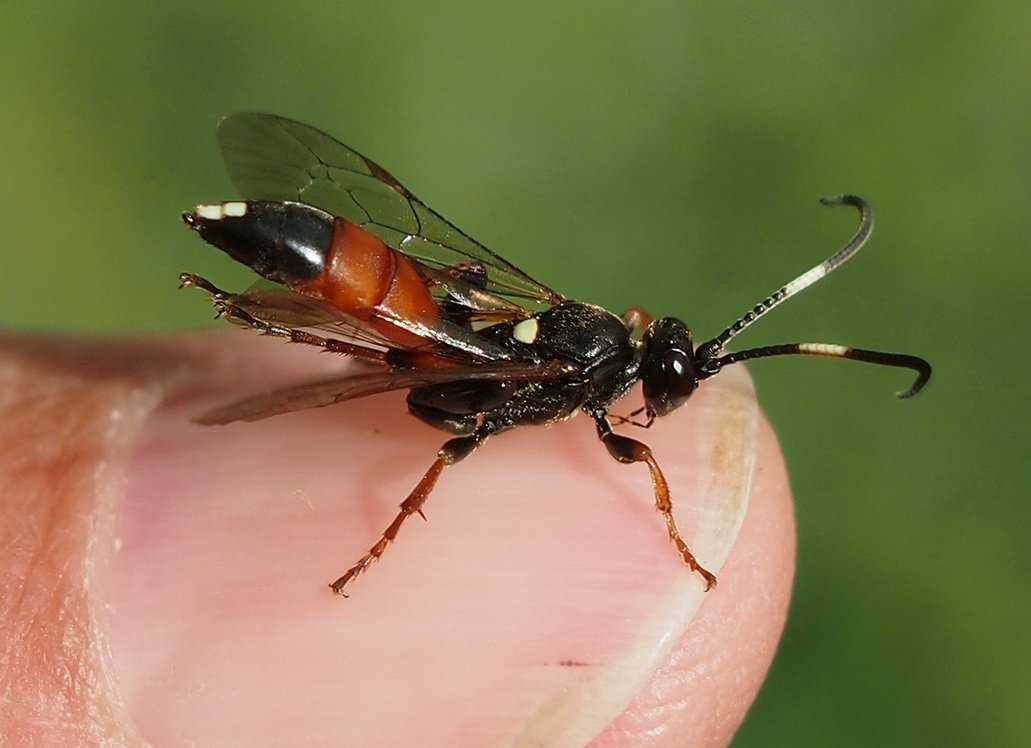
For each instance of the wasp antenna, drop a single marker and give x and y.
(712, 348)
(831, 350)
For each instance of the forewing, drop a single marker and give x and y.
(320, 393)
(273, 158)
(278, 305)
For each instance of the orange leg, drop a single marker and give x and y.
(627, 450)
(452, 451)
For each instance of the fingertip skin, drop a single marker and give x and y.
(701, 695)
(543, 569)
(66, 435)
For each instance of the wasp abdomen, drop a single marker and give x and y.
(322, 255)
(367, 279)
(285, 242)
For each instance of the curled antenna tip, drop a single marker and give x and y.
(847, 199)
(923, 370)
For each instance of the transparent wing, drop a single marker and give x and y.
(320, 393)
(276, 305)
(273, 158)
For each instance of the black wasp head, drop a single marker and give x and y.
(667, 370)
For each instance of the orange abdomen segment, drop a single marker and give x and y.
(369, 280)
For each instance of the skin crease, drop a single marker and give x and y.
(212, 623)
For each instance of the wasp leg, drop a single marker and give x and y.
(452, 451)
(627, 450)
(632, 419)
(226, 305)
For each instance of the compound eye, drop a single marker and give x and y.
(668, 381)
(668, 368)
(678, 376)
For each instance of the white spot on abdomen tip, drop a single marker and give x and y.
(232, 209)
(235, 209)
(209, 212)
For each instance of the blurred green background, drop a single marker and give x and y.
(666, 154)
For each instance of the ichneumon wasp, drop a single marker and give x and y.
(358, 265)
